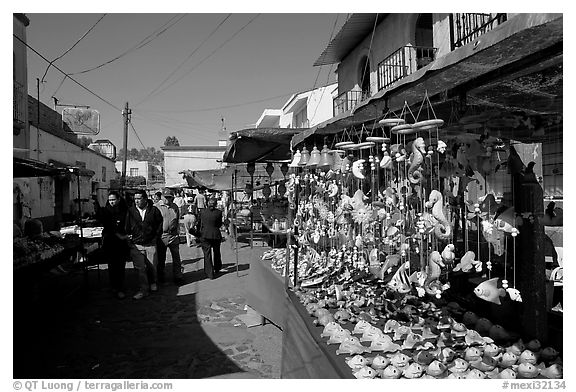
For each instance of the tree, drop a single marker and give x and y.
(171, 141)
(85, 141)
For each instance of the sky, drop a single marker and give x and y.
(181, 74)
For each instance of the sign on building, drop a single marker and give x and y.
(82, 121)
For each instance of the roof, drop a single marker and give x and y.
(193, 148)
(354, 30)
(32, 168)
(260, 144)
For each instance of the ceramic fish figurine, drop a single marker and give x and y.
(411, 340)
(401, 332)
(400, 281)
(553, 371)
(330, 329)
(380, 363)
(472, 354)
(365, 372)
(485, 364)
(504, 374)
(514, 294)
(356, 362)
(475, 374)
(534, 345)
(436, 368)
(445, 355)
(372, 333)
(391, 372)
(413, 371)
(391, 326)
(489, 291)
(474, 338)
(458, 366)
(527, 370)
(445, 340)
(428, 334)
(468, 263)
(483, 325)
(508, 359)
(499, 334)
(527, 356)
(469, 319)
(548, 354)
(458, 375)
(492, 350)
(361, 326)
(399, 360)
(351, 345)
(384, 345)
(424, 357)
(339, 336)
(516, 348)
(459, 329)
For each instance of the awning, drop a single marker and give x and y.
(525, 37)
(260, 145)
(32, 168)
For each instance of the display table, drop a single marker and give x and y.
(304, 354)
(266, 292)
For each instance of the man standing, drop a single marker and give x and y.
(170, 238)
(200, 200)
(143, 228)
(210, 220)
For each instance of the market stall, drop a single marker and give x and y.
(409, 241)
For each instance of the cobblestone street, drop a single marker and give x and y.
(191, 331)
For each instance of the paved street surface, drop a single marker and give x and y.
(68, 327)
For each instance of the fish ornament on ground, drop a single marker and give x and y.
(472, 354)
(391, 372)
(414, 370)
(489, 291)
(330, 329)
(372, 333)
(401, 332)
(474, 338)
(458, 329)
(469, 319)
(504, 374)
(391, 326)
(492, 350)
(436, 368)
(424, 357)
(475, 374)
(411, 340)
(527, 356)
(485, 364)
(400, 361)
(380, 362)
(527, 370)
(428, 334)
(553, 371)
(507, 360)
(468, 263)
(445, 355)
(458, 375)
(548, 354)
(534, 345)
(351, 345)
(516, 348)
(365, 372)
(339, 336)
(361, 326)
(483, 325)
(458, 366)
(356, 362)
(384, 344)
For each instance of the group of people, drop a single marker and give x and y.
(146, 230)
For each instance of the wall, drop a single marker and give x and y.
(176, 161)
(20, 71)
(395, 31)
(320, 106)
(142, 166)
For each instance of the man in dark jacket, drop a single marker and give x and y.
(170, 238)
(144, 228)
(112, 217)
(210, 220)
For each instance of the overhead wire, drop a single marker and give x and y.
(64, 73)
(185, 60)
(145, 41)
(72, 47)
(207, 57)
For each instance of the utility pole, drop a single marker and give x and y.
(126, 113)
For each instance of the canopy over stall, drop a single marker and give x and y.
(260, 145)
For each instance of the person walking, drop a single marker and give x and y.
(200, 200)
(189, 222)
(209, 223)
(112, 217)
(170, 238)
(143, 228)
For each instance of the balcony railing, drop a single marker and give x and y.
(348, 100)
(467, 27)
(19, 103)
(402, 63)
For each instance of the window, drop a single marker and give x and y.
(300, 119)
(133, 171)
(103, 173)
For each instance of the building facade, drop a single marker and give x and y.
(152, 173)
(194, 158)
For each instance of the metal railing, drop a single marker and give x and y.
(19, 103)
(348, 100)
(402, 63)
(467, 27)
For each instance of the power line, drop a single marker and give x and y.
(151, 37)
(72, 47)
(64, 73)
(210, 55)
(185, 60)
(137, 136)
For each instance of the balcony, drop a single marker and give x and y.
(19, 105)
(465, 28)
(348, 100)
(402, 63)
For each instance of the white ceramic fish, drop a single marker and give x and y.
(527, 370)
(356, 362)
(508, 359)
(514, 294)
(339, 336)
(472, 354)
(380, 362)
(384, 345)
(351, 345)
(468, 262)
(391, 326)
(485, 364)
(458, 366)
(475, 374)
(414, 370)
(401, 332)
(400, 360)
(527, 356)
(391, 372)
(472, 337)
(553, 371)
(365, 372)
(492, 350)
(371, 334)
(448, 254)
(411, 340)
(489, 291)
(361, 326)
(330, 329)
(436, 368)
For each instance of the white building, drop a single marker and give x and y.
(104, 147)
(152, 173)
(302, 110)
(195, 158)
